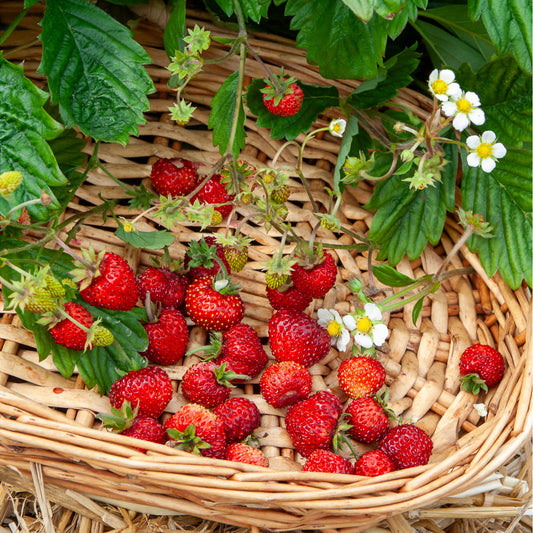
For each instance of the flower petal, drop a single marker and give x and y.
(473, 98)
(447, 75)
(449, 108)
(363, 339)
(488, 164)
(460, 122)
(498, 150)
(380, 334)
(477, 116)
(349, 322)
(473, 142)
(433, 76)
(473, 160)
(373, 312)
(488, 137)
(454, 91)
(343, 340)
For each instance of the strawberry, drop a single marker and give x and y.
(241, 349)
(236, 257)
(367, 418)
(207, 384)
(283, 384)
(196, 429)
(205, 257)
(168, 337)
(284, 101)
(148, 388)
(165, 286)
(244, 453)
(317, 280)
(481, 366)
(214, 192)
(111, 286)
(67, 333)
(147, 428)
(214, 304)
(174, 177)
(241, 417)
(361, 376)
(374, 463)
(327, 461)
(288, 297)
(10, 181)
(295, 336)
(310, 423)
(280, 194)
(407, 445)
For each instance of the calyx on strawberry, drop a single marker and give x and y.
(283, 98)
(295, 336)
(214, 304)
(481, 366)
(205, 257)
(235, 249)
(106, 280)
(311, 422)
(174, 176)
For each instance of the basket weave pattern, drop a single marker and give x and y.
(49, 420)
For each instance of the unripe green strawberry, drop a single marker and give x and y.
(9, 182)
(280, 194)
(55, 288)
(216, 218)
(275, 280)
(236, 257)
(102, 337)
(40, 301)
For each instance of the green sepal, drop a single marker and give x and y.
(187, 440)
(473, 383)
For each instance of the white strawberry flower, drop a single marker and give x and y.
(442, 85)
(369, 329)
(484, 151)
(465, 110)
(337, 127)
(339, 328)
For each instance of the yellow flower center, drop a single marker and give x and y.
(464, 106)
(334, 328)
(336, 127)
(364, 324)
(128, 227)
(439, 86)
(484, 150)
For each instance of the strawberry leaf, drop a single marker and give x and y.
(316, 99)
(150, 240)
(95, 70)
(221, 117)
(391, 277)
(406, 219)
(175, 29)
(252, 9)
(503, 197)
(25, 129)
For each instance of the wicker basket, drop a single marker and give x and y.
(47, 422)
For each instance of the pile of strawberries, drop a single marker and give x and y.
(216, 422)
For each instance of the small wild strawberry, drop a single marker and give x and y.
(285, 383)
(245, 453)
(481, 366)
(69, 334)
(241, 417)
(288, 296)
(317, 279)
(215, 193)
(165, 286)
(374, 463)
(284, 101)
(174, 177)
(367, 418)
(407, 445)
(361, 376)
(10, 181)
(327, 461)
(280, 194)
(205, 257)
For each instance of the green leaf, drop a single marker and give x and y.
(95, 70)
(505, 94)
(24, 129)
(316, 99)
(453, 39)
(508, 23)
(395, 74)
(251, 9)
(503, 197)
(151, 240)
(221, 118)
(406, 219)
(365, 9)
(352, 129)
(175, 30)
(417, 309)
(391, 277)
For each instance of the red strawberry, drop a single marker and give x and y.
(69, 334)
(407, 445)
(327, 461)
(207, 384)
(204, 258)
(168, 337)
(481, 366)
(241, 417)
(244, 453)
(361, 376)
(367, 418)
(288, 297)
(214, 192)
(213, 304)
(317, 280)
(112, 286)
(374, 463)
(147, 428)
(288, 102)
(283, 384)
(194, 428)
(174, 177)
(149, 388)
(311, 422)
(242, 351)
(295, 336)
(165, 286)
